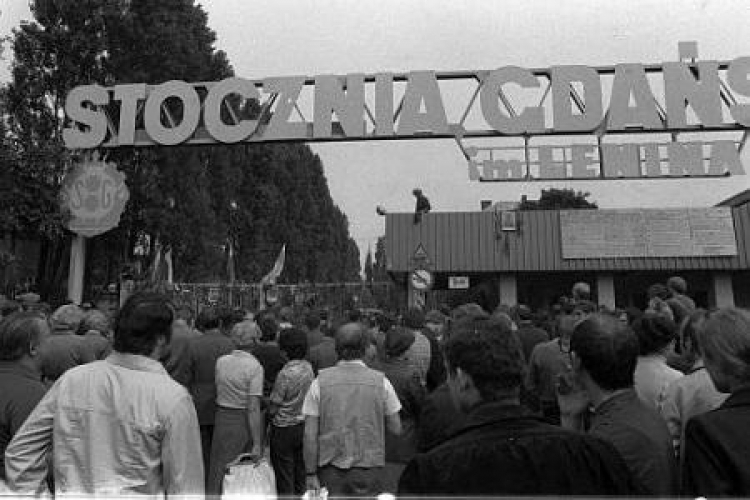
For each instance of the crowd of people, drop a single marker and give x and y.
(589, 401)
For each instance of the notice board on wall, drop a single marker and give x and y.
(688, 232)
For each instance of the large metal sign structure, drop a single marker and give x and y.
(603, 109)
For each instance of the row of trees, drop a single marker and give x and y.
(193, 200)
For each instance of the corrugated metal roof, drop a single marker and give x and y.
(468, 242)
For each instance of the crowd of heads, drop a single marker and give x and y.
(474, 341)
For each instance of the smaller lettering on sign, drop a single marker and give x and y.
(95, 194)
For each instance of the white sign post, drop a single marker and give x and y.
(95, 194)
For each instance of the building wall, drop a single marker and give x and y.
(465, 242)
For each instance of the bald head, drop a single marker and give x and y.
(351, 341)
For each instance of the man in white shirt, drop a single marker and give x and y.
(346, 411)
(120, 426)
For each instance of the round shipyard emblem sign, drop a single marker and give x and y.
(95, 194)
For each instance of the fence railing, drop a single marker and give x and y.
(334, 297)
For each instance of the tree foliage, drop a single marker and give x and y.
(380, 266)
(558, 199)
(190, 199)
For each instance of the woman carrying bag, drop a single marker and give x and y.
(239, 421)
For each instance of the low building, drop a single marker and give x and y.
(534, 257)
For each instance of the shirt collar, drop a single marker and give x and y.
(488, 413)
(344, 362)
(136, 362)
(242, 352)
(698, 365)
(19, 369)
(739, 397)
(613, 398)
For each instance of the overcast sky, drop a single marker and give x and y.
(308, 37)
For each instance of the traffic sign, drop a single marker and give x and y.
(421, 279)
(420, 254)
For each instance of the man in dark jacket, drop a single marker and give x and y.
(502, 449)
(604, 356)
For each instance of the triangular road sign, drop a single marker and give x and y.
(420, 253)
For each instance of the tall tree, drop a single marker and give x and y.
(558, 199)
(368, 267)
(188, 199)
(380, 266)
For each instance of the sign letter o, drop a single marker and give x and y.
(212, 110)
(169, 136)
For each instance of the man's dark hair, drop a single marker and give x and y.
(269, 328)
(227, 318)
(142, 320)
(208, 319)
(677, 284)
(352, 340)
(692, 327)
(312, 320)
(18, 332)
(654, 332)
(385, 322)
(413, 318)
(490, 352)
(354, 316)
(184, 312)
(9, 307)
(293, 342)
(585, 307)
(608, 350)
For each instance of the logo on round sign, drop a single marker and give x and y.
(95, 194)
(421, 279)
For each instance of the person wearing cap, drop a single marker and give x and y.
(65, 349)
(529, 334)
(422, 207)
(347, 410)
(405, 380)
(97, 332)
(238, 424)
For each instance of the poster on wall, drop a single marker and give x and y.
(694, 232)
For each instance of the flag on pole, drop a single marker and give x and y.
(231, 273)
(157, 264)
(170, 268)
(278, 267)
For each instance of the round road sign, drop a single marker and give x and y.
(421, 279)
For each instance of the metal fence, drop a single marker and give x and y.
(333, 297)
